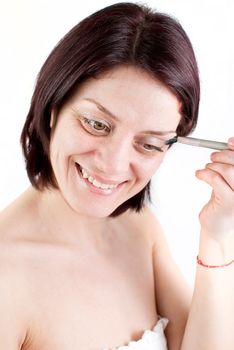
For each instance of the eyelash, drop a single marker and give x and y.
(88, 124)
(152, 148)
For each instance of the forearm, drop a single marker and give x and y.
(211, 317)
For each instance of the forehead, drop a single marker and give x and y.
(133, 95)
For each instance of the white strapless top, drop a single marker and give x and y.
(151, 339)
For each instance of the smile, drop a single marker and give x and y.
(98, 185)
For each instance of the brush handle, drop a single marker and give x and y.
(202, 143)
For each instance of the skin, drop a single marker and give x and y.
(114, 155)
(72, 276)
(210, 321)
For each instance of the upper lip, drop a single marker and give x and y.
(101, 179)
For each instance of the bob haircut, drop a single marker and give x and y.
(120, 34)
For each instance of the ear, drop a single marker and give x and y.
(52, 118)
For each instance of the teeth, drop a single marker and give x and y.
(85, 175)
(95, 182)
(104, 186)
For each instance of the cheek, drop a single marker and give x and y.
(68, 143)
(148, 167)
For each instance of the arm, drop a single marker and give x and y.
(172, 294)
(210, 323)
(211, 318)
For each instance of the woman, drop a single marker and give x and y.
(84, 262)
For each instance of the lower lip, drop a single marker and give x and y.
(96, 190)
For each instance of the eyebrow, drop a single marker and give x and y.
(114, 117)
(102, 108)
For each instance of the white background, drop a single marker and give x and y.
(29, 29)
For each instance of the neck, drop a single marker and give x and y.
(66, 225)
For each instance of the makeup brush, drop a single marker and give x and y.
(199, 142)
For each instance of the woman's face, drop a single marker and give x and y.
(104, 147)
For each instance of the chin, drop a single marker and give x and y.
(93, 210)
(96, 206)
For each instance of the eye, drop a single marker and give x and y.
(152, 148)
(96, 127)
(96, 124)
(149, 148)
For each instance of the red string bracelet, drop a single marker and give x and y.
(199, 261)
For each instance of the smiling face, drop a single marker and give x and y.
(105, 146)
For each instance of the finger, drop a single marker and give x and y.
(220, 187)
(231, 143)
(225, 156)
(225, 170)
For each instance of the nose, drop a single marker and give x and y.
(114, 157)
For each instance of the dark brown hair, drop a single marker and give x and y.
(120, 34)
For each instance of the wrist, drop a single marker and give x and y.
(202, 263)
(216, 251)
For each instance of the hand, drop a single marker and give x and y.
(217, 216)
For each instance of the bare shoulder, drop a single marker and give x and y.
(17, 237)
(146, 223)
(14, 217)
(15, 304)
(13, 299)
